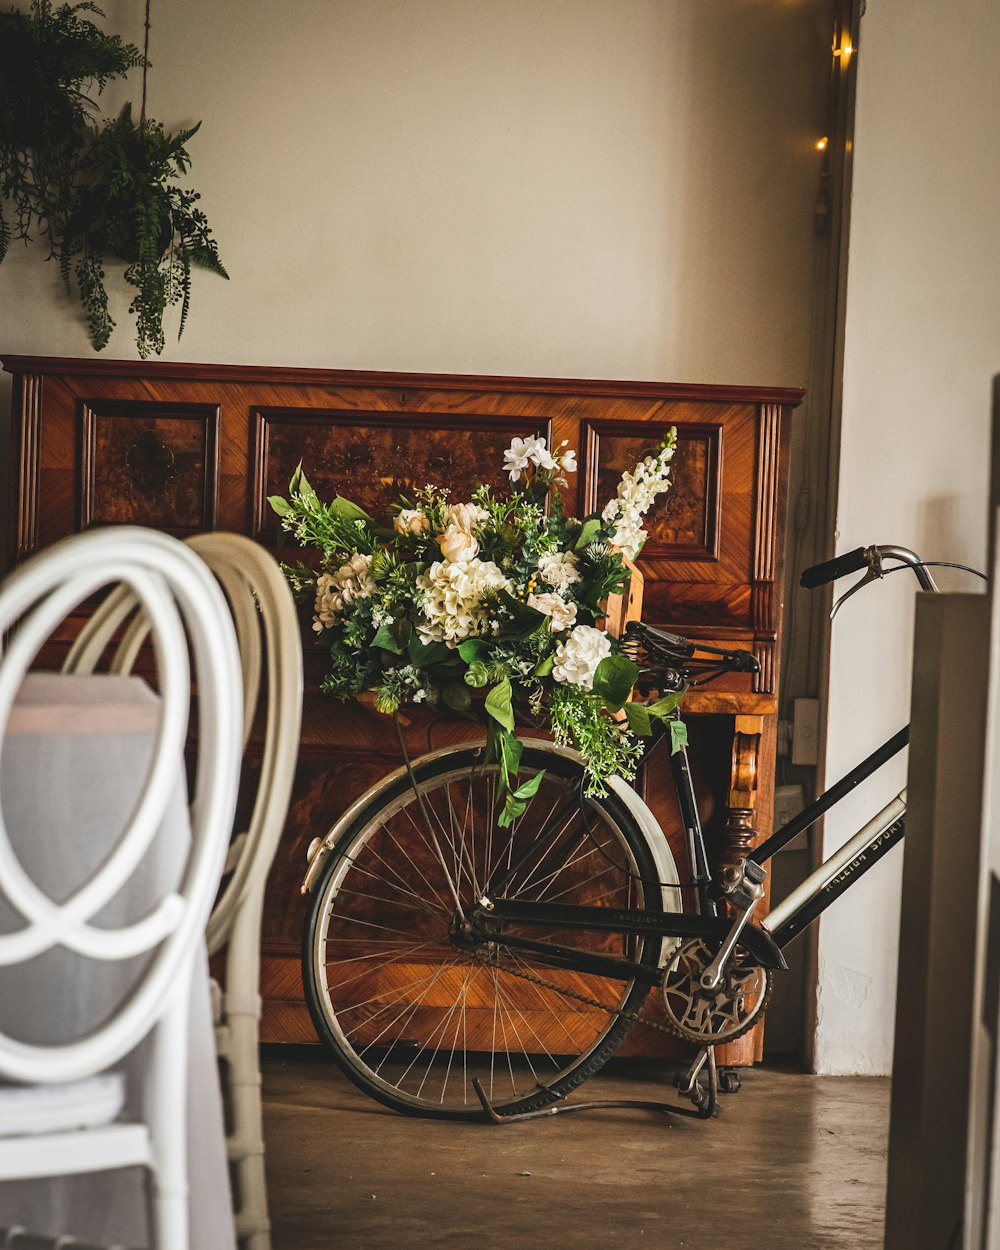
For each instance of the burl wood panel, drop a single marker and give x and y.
(148, 464)
(187, 447)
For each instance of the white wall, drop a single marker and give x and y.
(922, 344)
(617, 188)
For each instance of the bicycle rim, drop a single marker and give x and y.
(413, 1018)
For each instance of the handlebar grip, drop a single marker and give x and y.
(830, 570)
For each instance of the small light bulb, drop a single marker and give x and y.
(821, 144)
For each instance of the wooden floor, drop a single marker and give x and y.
(795, 1162)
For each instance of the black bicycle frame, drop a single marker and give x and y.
(765, 948)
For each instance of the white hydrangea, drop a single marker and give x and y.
(636, 492)
(559, 570)
(577, 658)
(453, 591)
(335, 592)
(563, 614)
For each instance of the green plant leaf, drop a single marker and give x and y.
(678, 735)
(665, 707)
(423, 653)
(590, 530)
(386, 639)
(280, 505)
(498, 704)
(638, 719)
(614, 678)
(544, 667)
(530, 788)
(347, 511)
(510, 750)
(473, 649)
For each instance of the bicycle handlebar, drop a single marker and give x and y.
(830, 570)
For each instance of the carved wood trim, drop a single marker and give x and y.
(766, 544)
(273, 374)
(739, 833)
(25, 443)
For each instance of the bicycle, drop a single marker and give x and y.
(459, 970)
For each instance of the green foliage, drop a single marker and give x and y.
(96, 192)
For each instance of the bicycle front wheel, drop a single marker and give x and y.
(412, 1013)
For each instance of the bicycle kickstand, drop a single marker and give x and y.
(688, 1086)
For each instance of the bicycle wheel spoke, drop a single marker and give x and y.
(408, 976)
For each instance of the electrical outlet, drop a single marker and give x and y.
(788, 802)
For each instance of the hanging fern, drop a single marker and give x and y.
(99, 193)
(49, 59)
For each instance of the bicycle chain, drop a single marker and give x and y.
(631, 1016)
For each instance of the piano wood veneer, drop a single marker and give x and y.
(189, 447)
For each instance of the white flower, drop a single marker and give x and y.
(465, 516)
(525, 451)
(563, 614)
(559, 570)
(453, 591)
(335, 592)
(411, 521)
(565, 457)
(458, 544)
(577, 658)
(636, 493)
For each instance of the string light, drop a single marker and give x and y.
(822, 144)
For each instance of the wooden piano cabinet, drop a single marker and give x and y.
(191, 447)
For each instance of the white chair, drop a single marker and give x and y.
(187, 615)
(261, 602)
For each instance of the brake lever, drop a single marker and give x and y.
(875, 571)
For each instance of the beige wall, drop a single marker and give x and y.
(617, 188)
(922, 344)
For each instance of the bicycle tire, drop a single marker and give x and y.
(409, 1017)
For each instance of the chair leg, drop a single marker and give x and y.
(168, 1174)
(246, 1146)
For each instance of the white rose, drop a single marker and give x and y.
(411, 521)
(457, 544)
(563, 614)
(465, 516)
(577, 658)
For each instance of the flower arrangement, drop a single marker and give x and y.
(501, 595)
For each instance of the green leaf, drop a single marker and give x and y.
(664, 708)
(526, 620)
(510, 750)
(588, 533)
(638, 719)
(299, 485)
(281, 506)
(423, 653)
(511, 810)
(498, 705)
(544, 667)
(473, 649)
(530, 787)
(347, 511)
(386, 639)
(678, 735)
(614, 678)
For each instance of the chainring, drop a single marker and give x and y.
(711, 1017)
